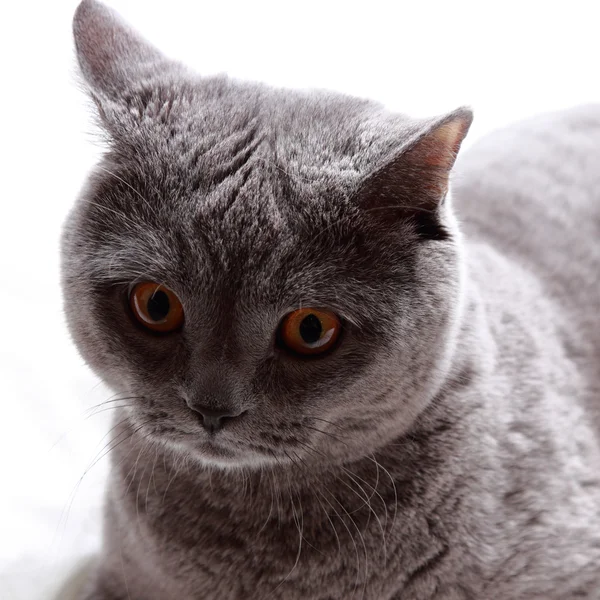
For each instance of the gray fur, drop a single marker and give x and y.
(448, 447)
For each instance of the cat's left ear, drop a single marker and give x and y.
(413, 182)
(114, 59)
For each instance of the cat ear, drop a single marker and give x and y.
(413, 182)
(113, 58)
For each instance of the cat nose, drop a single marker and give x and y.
(214, 419)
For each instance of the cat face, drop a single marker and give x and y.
(294, 250)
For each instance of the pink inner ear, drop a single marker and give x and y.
(417, 177)
(110, 52)
(98, 39)
(440, 147)
(436, 152)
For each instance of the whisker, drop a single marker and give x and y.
(380, 466)
(107, 408)
(137, 494)
(269, 515)
(300, 532)
(134, 469)
(112, 400)
(151, 478)
(326, 433)
(326, 421)
(372, 511)
(172, 479)
(115, 443)
(337, 537)
(311, 449)
(351, 538)
(83, 414)
(362, 539)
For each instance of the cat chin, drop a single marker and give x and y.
(210, 454)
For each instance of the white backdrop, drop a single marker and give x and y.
(508, 60)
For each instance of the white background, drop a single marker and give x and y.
(508, 60)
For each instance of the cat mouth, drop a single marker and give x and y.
(220, 453)
(216, 450)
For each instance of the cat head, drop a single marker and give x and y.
(268, 275)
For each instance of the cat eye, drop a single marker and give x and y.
(309, 331)
(156, 307)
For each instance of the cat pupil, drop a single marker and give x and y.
(158, 306)
(311, 329)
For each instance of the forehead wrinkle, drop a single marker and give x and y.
(134, 255)
(242, 220)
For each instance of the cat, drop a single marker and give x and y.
(334, 378)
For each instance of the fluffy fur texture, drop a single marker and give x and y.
(448, 448)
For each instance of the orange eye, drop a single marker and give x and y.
(310, 331)
(156, 307)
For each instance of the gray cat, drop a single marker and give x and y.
(329, 389)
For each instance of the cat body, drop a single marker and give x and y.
(447, 447)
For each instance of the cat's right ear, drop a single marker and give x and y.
(412, 183)
(113, 58)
